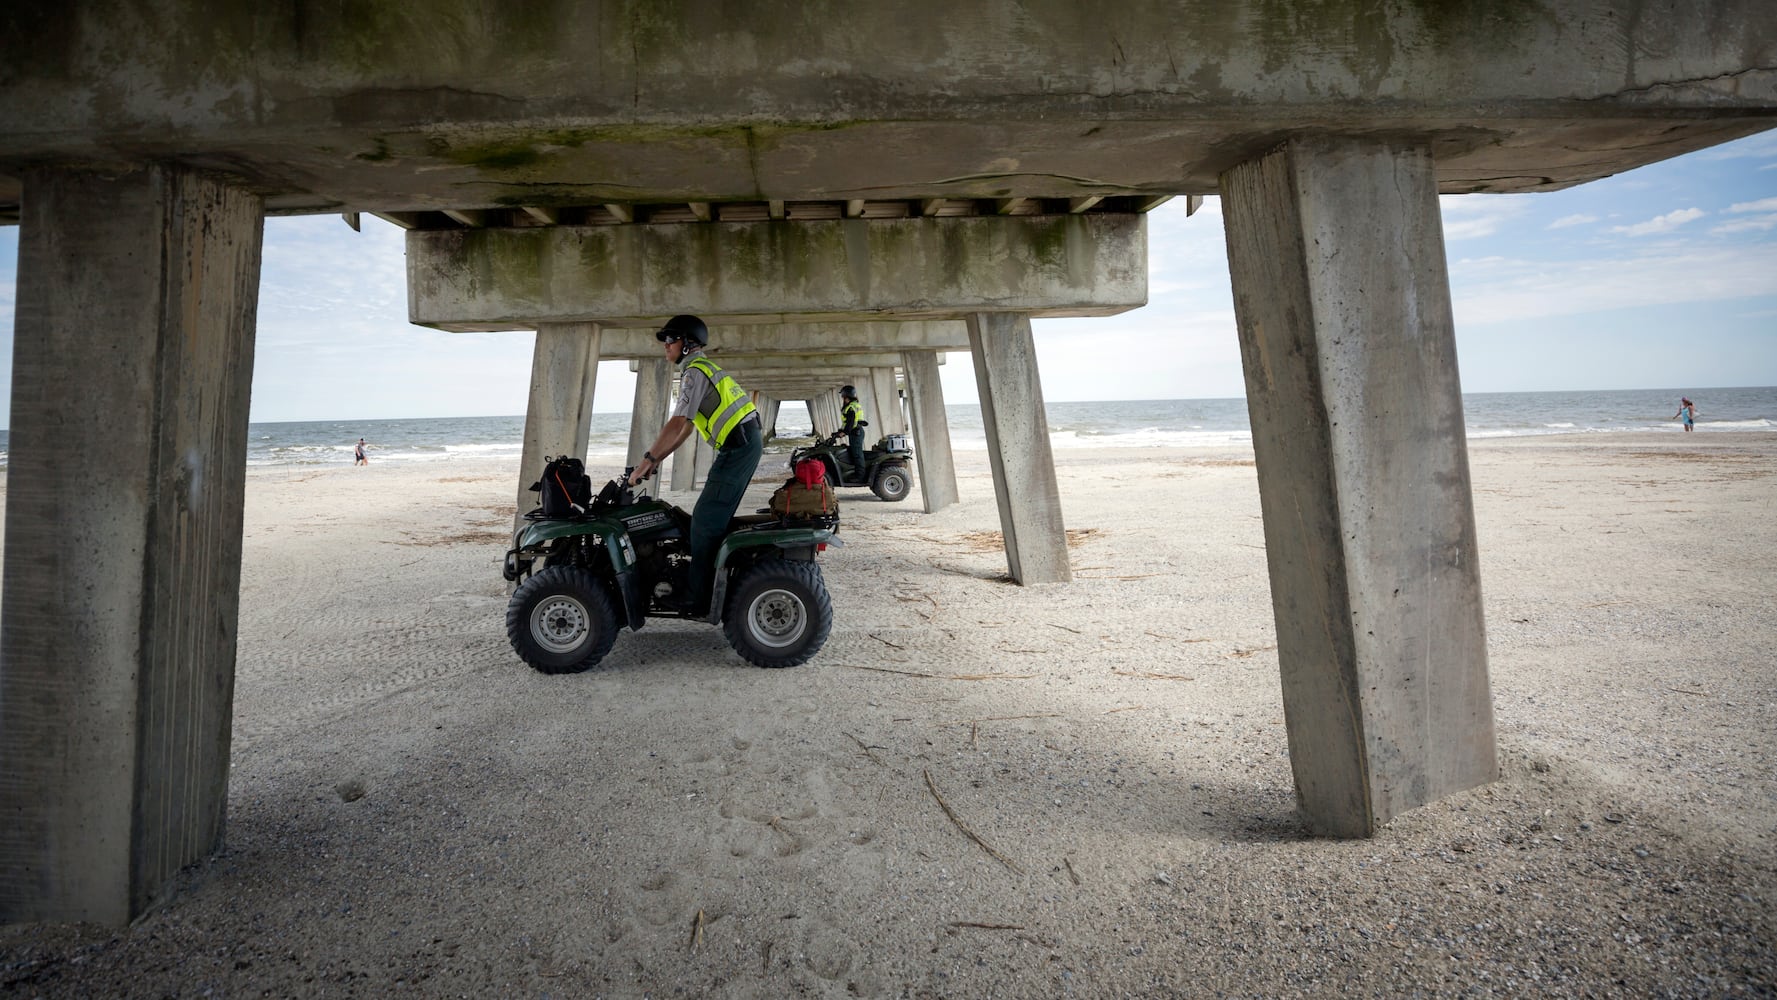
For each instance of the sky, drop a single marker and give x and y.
(1664, 277)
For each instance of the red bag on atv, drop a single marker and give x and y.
(810, 471)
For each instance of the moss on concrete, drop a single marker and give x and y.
(1050, 239)
(377, 155)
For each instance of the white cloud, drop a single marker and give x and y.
(1571, 220)
(1468, 229)
(1756, 224)
(1534, 289)
(1754, 147)
(1660, 223)
(1761, 205)
(1470, 216)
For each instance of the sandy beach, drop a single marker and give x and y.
(412, 811)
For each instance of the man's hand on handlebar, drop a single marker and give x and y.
(641, 473)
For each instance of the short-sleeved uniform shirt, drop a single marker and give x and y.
(694, 385)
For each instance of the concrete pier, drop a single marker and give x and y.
(1346, 335)
(558, 414)
(887, 418)
(1018, 447)
(779, 177)
(767, 406)
(647, 414)
(931, 431)
(133, 360)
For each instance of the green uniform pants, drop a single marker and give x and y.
(730, 475)
(855, 450)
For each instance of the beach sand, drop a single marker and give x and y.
(412, 811)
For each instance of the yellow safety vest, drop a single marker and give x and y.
(732, 403)
(855, 410)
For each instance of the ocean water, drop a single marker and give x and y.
(1121, 424)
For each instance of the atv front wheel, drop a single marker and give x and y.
(892, 483)
(561, 621)
(779, 614)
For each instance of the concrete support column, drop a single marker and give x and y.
(691, 462)
(654, 382)
(1343, 304)
(133, 340)
(683, 475)
(823, 410)
(1018, 447)
(558, 417)
(888, 418)
(872, 407)
(814, 423)
(931, 430)
(767, 414)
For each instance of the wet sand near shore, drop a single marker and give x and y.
(979, 789)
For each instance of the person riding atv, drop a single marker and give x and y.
(851, 414)
(884, 467)
(713, 404)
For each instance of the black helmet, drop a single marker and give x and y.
(846, 390)
(684, 327)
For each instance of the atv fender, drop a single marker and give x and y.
(799, 543)
(632, 603)
(629, 588)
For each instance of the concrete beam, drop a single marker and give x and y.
(730, 343)
(931, 431)
(137, 292)
(1018, 448)
(558, 415)
(797, 388)
(327, 112)
(788, 362)
(778, 272)
(1343, 306)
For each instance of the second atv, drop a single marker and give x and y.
(885, 469)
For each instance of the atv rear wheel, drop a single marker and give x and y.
(779, 613)
(892, 483)
(561, 621)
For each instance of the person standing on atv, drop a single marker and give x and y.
(852, 412)
(713, 403)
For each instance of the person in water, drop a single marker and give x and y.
(1687, 411)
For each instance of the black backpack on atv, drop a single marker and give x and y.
(565, 486)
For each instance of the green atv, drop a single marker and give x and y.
(885, 468)
(623, 558)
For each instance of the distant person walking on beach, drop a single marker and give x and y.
(359, 458)
(1686, 410)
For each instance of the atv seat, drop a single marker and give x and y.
(752, 520)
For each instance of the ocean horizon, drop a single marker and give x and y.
(1169, 423)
